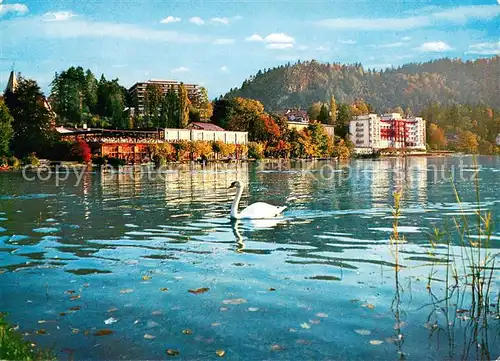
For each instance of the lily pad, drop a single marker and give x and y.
(146, 278)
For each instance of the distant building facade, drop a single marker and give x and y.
(138, 91)
(299, 120)
(390, 130)
(498, 140)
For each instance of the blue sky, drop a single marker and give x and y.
(220, 43)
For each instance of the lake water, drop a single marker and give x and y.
(120, 252)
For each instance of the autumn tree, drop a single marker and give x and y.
(6, 131)
(314, 110)
(436, 137)
(467, 142)
(153, 99)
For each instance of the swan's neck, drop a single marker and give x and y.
(236, 203)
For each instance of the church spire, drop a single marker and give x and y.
(12, 83)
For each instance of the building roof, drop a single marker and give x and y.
(205, 126)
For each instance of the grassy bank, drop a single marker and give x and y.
(14, 347)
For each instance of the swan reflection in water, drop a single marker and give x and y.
(239, 226)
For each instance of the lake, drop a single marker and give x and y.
(102, 268)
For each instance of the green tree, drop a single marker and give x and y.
(32, 118)
(343, 118)
(111, 103)
(152, 105)
(6, 130)
(323, 116)
(314, 110)
(223, 112)
(171, 104)
(183, 107)
(333, 111)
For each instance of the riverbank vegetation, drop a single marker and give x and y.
(14, 347)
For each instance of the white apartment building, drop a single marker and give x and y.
(390, 130)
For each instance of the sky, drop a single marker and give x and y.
(218, 44)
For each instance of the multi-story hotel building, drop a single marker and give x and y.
(374, 132)
(138, 91)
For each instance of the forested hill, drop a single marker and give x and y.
(414, 86)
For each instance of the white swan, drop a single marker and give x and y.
(259, 210)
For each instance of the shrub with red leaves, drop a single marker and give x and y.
(81, 151)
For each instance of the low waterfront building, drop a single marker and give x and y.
(135, 146)
(138, 91)
(373, 132)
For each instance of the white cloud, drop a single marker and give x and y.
(181, 69)
(436, 16)
(218, 20)
(391, 45)
(12, 8)
(197, 20)
(58, 16)
(279, 38)
(224, 69)
(434, 46)
(223, 41)
(322, 48)
(170, 19)
(254, 37)
(485, 48)
(279, 46)
(406, 38)
(36, 27)
(347, 41)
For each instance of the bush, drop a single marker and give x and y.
(14, 162)
(159, 160)
(4, 161)
(99, 161)
(80, 150)
(31, 159)
(256, 150)
(116, 162)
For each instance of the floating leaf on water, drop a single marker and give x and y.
(147, 336)
(363, 332)
(234, 301)
(172, 352)
(127, 290)
(76, 308)
(62, 314)
(354, 300)
(292, 330)
(114, 309)
(305, 325)
(86, 333)
(253, 309)
(75, 331)
(73, 298)
(146, 278)
(41, 332)
(110, 321)
(220, 353)
(370, 305)
(157, 313)
(104, 332)
(399, 324)
(376, 342)
(276, 347)
(70, 292)
(152, 324)
(322, 315)
(224, 309)
(187, 331)
(164, 289)
(41, 321)
(199, 290)
(303, 342)
(315, 322)
(215, 324)
(272, 289)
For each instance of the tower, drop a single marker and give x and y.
(12, 83)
